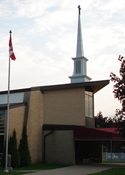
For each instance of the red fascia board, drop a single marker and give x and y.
(83, 133)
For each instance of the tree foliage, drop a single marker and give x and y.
(119, 93)
(19, 157)
(104, 122)
(13, 151)
(25, 157)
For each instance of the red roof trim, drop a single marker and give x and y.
(83, 133)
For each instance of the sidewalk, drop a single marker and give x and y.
(73, 170)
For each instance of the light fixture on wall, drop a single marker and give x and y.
(44, 92)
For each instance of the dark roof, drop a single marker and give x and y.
(83, 133)
(94, 86)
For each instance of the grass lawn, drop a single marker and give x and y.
(40, 167)
(14, 173)
(30, 168)
(112, 171)
(113, 162)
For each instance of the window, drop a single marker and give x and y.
(88, 104)
(78, 67)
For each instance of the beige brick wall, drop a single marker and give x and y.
(34, 125)
(16, 120)
(60, 148)
(65, 106)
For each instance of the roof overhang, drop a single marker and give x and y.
(81, 133)
(94, 86)
(87, 134)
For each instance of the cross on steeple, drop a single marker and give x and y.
(79, 9)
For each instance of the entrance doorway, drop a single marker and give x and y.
(88, 152)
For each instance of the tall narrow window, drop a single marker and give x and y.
(78, 67)
(88, 104)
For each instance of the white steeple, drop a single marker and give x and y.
(79, 74)
(79, 51)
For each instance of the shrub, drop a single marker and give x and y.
(12, 149)
(25, 158)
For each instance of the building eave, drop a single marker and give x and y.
(16, 91)
(94, 85)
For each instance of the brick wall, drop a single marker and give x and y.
(16, 121)
(65, 106)
(34, 125)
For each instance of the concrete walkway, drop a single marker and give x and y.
(73, 170)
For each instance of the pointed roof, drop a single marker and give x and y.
(79, 49)
(80, 67)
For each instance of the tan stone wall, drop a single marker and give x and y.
(16, 120)
(65, 106)
(34, 125)
(60, 148)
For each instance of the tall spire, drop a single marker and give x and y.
(79, 74)
(79, 51)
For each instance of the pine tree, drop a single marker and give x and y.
(25, 158)
(13, 151)
(104, 122)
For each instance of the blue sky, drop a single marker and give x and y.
(44, 35)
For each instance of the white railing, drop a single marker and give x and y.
(120, 157)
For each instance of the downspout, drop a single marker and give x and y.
(44, 153)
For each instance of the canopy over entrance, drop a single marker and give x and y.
(101, 134)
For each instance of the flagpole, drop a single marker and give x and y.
(7, 119)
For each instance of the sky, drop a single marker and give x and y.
(44, 36)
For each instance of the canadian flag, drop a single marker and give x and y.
(11, 53)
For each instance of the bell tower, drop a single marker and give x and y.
(80, 71)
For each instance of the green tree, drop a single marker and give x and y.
(99, 120)
(25, 158)
(104, 122)
(119, 93)
(13, 151)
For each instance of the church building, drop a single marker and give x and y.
(59, 118)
